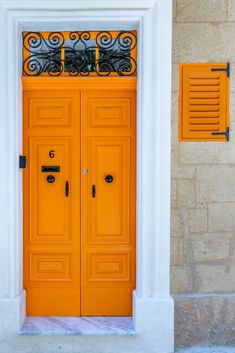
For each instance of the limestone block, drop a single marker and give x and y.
(174, 135)
(174, 11)
(174, 106)
(173, 193)
(177, 251)
(215, 183)
(201, 10)
(211, 246)
(181, 279)
(231, 10)
(232, 106)
(177, 226)
(180, 171)
(202, 320)
(186, 193)
(208, 152)
(175, 76)
(216, 278)
(221, 217)
(203, 42)
(197, 221)
(187, 322)
(232, 79)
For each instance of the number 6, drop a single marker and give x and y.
(52, 153)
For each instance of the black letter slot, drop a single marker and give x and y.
(50, 168)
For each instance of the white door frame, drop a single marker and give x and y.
(153, 306)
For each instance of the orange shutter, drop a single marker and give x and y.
(204, 102)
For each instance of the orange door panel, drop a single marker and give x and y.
(51, 206)
(108, 202)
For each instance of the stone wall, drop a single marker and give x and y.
(203, 189)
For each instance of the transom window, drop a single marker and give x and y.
(80, 53)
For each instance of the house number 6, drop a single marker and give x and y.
(52, 154)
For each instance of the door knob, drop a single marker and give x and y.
(50, 179)
(109, 178)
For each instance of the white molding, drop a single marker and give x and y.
(152, 299)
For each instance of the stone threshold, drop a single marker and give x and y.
(77, 326)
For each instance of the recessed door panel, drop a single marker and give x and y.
(109, 111)
(49, 109)
(51, 219)
(109, 209)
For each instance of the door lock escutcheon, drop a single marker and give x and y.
(50, 179)
(109, 179)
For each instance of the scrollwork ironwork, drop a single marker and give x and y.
(79, 53)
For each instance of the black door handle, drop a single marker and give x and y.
(93, 192)
(66, 188)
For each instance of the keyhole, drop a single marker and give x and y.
(109, 179)
(50, 179)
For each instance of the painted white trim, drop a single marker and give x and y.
(152, 301)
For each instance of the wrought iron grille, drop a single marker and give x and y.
(80, 53)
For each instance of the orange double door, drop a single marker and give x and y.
(79, 137)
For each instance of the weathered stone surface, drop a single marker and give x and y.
(173, 193)
(186, 192)
(211, 246)
(203, 320)
(215, 183)
(175, 77)
(177, 226)
(194, 42)
(197, 221)
(231, 10)
(181, 279)
(174, 135)
(221, 217)
(175, 107)
(232, 106)
(216, 278)
(177, 251)
(180, 171)
(201, 10)
(208, 152)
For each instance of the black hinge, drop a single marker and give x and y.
(224, 133)
(225, 69)
(22, 162)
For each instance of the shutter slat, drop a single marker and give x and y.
(201, 82)
(204, 128)
(204, 88)
(204, 115)
(209, 121)
(204, 95)
(203, 102)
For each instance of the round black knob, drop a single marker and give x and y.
(50, 178)
(108, 178)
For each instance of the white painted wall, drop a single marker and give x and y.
(153, 306)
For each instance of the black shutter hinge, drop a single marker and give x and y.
(225, 69)
(22, 162)
(224, 133)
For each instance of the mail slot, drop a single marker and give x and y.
(50, 168)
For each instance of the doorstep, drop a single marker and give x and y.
(78, 326)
